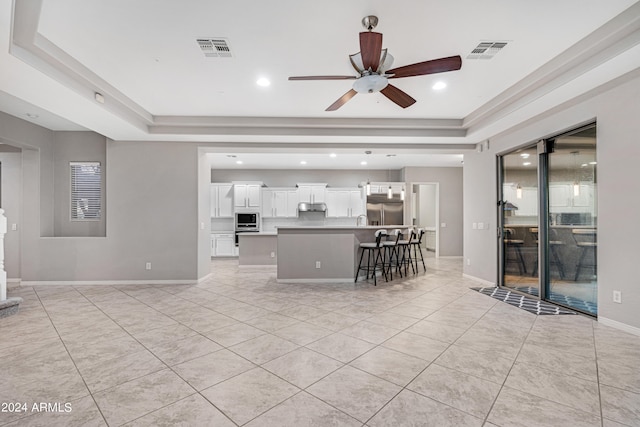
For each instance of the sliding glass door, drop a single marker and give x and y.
(548, 220)
(573, 217)
(519, 210)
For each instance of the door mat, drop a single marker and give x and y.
(529, 304)
(578, 304)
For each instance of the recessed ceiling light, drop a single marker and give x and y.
(584, 165)
(238, 162)
(231, 155)
(524, 155)
(391, 155)
(32, 115)
(303, 162)
(363, 163)
(593, 163)
(263, 81)
(526, 163)
(332, 155)
(439, 86)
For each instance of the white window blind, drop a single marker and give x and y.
(86, 193)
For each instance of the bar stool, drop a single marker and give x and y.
(404, 246)
(516, 246)
(553, 248)
(586, 241)
(374, 253)
(416, 243)
(391, 251)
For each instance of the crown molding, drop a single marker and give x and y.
(614, 37)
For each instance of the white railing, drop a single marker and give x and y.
(3, 274)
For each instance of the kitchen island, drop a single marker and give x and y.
(322, 254)
(257, 249)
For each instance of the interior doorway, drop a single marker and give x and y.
(425, 202)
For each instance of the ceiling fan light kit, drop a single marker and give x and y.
(373, 66)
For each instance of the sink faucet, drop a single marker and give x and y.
(366, 220)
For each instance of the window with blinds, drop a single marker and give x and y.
(86, 193)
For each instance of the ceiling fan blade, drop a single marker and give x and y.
(370, 47)
(441, 65)
(398, 96)
(322, 78)
(342, 100)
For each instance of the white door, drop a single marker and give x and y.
(240, 195)
(268, 208)
(213, 192)
(225, 244)
(292, 203)
(356, 204)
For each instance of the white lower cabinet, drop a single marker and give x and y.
(223, 245)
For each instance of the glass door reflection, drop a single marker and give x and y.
(573, 242)
(520, 220)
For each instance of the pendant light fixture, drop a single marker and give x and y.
(576, 184)
(519, 192)
(402, 194)
(389, 191)
(368, 188)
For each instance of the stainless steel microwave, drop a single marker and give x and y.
(247, 220)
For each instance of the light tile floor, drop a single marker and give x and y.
(241, 349)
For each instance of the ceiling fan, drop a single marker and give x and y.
(372, 64)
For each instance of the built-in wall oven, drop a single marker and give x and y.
(247, 222)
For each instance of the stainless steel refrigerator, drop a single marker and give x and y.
(384, 211)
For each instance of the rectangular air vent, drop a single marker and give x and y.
(215, 47)
(486, 50)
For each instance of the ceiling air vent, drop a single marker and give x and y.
(486, 50)
(215, 47)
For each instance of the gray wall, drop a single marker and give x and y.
(290, 177)
(76, 147)
(616, 109)
(451, 207)
(12, 203)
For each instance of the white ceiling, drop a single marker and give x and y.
(143, 57)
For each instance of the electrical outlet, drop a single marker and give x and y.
(202, 226)
(468, 261)
(14, 227)
(481, 226)
(474, 226)
(443, 225)
(317, 264)
(273, 254)
(148, 266)
(617, 297)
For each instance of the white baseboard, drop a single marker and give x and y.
(105, 282)
(14, 280)
(204, 278)
(619, 325)
(479, 280)
(267, 266)
(349, 280)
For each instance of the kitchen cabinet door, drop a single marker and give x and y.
(311, 193)
(280, 204)
(356, 203)
(221, 200)
(225, 200)
(268, 208)
(253, 195)
(224, 244)
(292, 203)
(246, 195)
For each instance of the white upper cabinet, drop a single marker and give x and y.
(221, 200)
(312, 193)
(279, 203)
(247, 196)
(344, 203)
